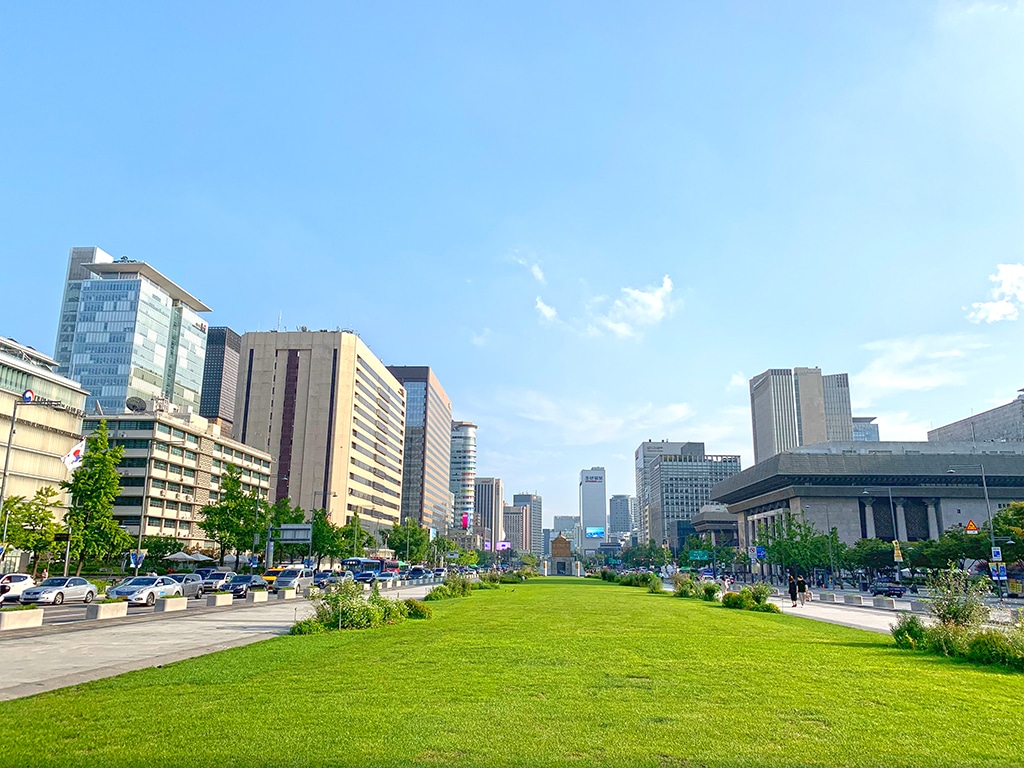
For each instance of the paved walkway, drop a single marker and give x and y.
(871, 619)
(43, 661)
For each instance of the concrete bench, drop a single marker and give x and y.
(853, 599)
(286, 594)
(212, 601)
(918, 606)
(21, 619)
(106, 610)
(827, 597)
(884, 602)
(257, 596)
(168, 604)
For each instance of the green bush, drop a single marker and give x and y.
(642, 579)
(739, 600)
(947, 639)
(957, 598)
(440, 592)
(458, 585)
(607, 574)
(490, 577)
(765, 608)
(710, 591)
(391, 611)
(654, 586)
(417, 609)
(509, 578)
(990, 646)
(684, 585)
(308, 626)
(909, 632)
(759, 593)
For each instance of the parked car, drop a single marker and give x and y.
(440, 572)
(888, 588)
(387, 577)
(320, 578)
(191, 583)
(295, 578)
(217, 581)
(145, 590)
(57, 589)
(240, 585)
(13, 584)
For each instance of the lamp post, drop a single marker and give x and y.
(28, 397)
(892, 511)
(988, 508)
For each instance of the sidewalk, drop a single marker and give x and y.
(871, 619)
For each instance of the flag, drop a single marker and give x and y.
(74, 459)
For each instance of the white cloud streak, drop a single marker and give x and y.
(480, 339)
(1008, 296)
(533, 267)
(638, 307)
(548, 314)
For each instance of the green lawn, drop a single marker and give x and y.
(553, 672)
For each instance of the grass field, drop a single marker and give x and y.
(555, 672)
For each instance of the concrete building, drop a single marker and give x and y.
(547, 534)
(569, 527)
(1004, 423)
(789, 408)
(680, 483)
(644, 457)
(876, 490)
(172, 466)
(715, 520)
(593, 508)
(517, 527)
(220, 378)
(535, 519)
(332, 417)
(44, 435)
(488, 508)
(462, 474)
(620, 518)
(126, 331)
(426, 497)
(865, 430)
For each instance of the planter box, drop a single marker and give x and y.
(853, 600)
(106, 610)
(918, 606)
(827, 597)
(286, 594)
(217, 600)
(175, 604)
(258, 596)
(21, 619)
(884, 602)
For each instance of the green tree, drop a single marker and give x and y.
(93, 488)
(440, 547)
(526, 558)
(409, 541)
(31, 524)
(239, 516)
(159, 547)
(354, 540)
(281, 512)
(797, 544)
(328, 538)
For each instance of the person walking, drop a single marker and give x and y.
(801, 590)
(792, 589)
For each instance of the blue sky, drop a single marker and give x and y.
(596, 221)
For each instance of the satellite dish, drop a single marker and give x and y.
(135, 404)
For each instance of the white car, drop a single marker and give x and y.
(145, 590)
(57, 589)
(13, 584)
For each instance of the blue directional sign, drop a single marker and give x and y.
(997, 554)
(760, 553)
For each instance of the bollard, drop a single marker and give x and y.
(853, 599)
(884, 602)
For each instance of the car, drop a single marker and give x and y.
(271, 574)
(888, 588)
(294, 578)
(337, 578)
(242, 585)
(145, 590)
(13, 584)
(56, 589)
(387, 577)
(191, 583)
(366, 577)
(204, 572)
(440, 572)
(321, 577)
(419, 572)
(217, 581)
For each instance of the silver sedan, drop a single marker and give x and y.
(56, 589)
(144, 590)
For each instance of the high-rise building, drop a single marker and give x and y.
(126, 331)
(644, 456)
(488, 508)
(332, 417)
(426, 497)
(593, 508)
(675, 480)
(517, 527)
(462, 475)
(220, 377)
(1004, 423)
(569, 527)
(620, 519)
(536, 519)
(865, 430)
(548, 534)
(790, 408)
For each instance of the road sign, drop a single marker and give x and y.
(295, 533)
(62, 537)
(699, 554)
(28, 396)
(752, 552)
(971, 527)
(997, 554)
(997, 571)
(760, 553)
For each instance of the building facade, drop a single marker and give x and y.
(220, 377)
(865, 430)
(426, 496)
(644, 457)
(569, 527)
(535, 504)
(1005, 423)
(620, 517)
(172, 468)
(126, 331)
(593, 508)
(489, 508)
(462, 474)
(332, 417)
(517, 527)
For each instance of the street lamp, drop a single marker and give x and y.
(892, 511)
(28, 397)
(988, 508)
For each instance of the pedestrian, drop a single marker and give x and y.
(801, 589)
(792, 589)
(46, 574)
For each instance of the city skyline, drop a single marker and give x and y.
(629, 196)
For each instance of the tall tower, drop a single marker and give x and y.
(536, 519)
(593, 508)
(620, 521)
(220, 377)
(488, 508)
(426, 497)
(462, 476)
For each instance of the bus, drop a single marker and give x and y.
(361, 564)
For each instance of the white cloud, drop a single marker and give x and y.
(1008, 296)
(480, 339)
(548, 314)
(912, 365)
(533, 266)
(738, 381)
(638, 307)
(537, 273)
(898, 426)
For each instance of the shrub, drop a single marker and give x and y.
(739, 600)
(308, 626)
(957, 598)
(759, 593)
(485, 585)
(947, 639)
(765, 608)
(417, 609)
(391, 611)
(642, 579)
(990, 646)
(655, 586)
(490, 577)
(509, 578)
(440, 592)
(607, 574)
(684, 585)
(458, 585)
(710, 591)
(909, 632)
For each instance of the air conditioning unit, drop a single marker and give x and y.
(177, 495)
(163, 493)
(188, 498)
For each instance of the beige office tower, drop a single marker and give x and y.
(333, 418)
(790, 408)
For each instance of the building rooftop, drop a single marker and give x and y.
(175, 291)
(31, 361)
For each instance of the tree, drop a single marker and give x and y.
(328, 538)
(31, 525)
(409, 541)
(237, 518)
(93, 487)
(354, 540)
(526, 558)
(159, 547)
(281, 512)
(440, 547)
(797, 544)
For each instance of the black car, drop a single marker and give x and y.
(888, 589)
(242, 585)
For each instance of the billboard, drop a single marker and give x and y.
(500, 545)
(465, 521)
(487, 546)
(594, 532)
